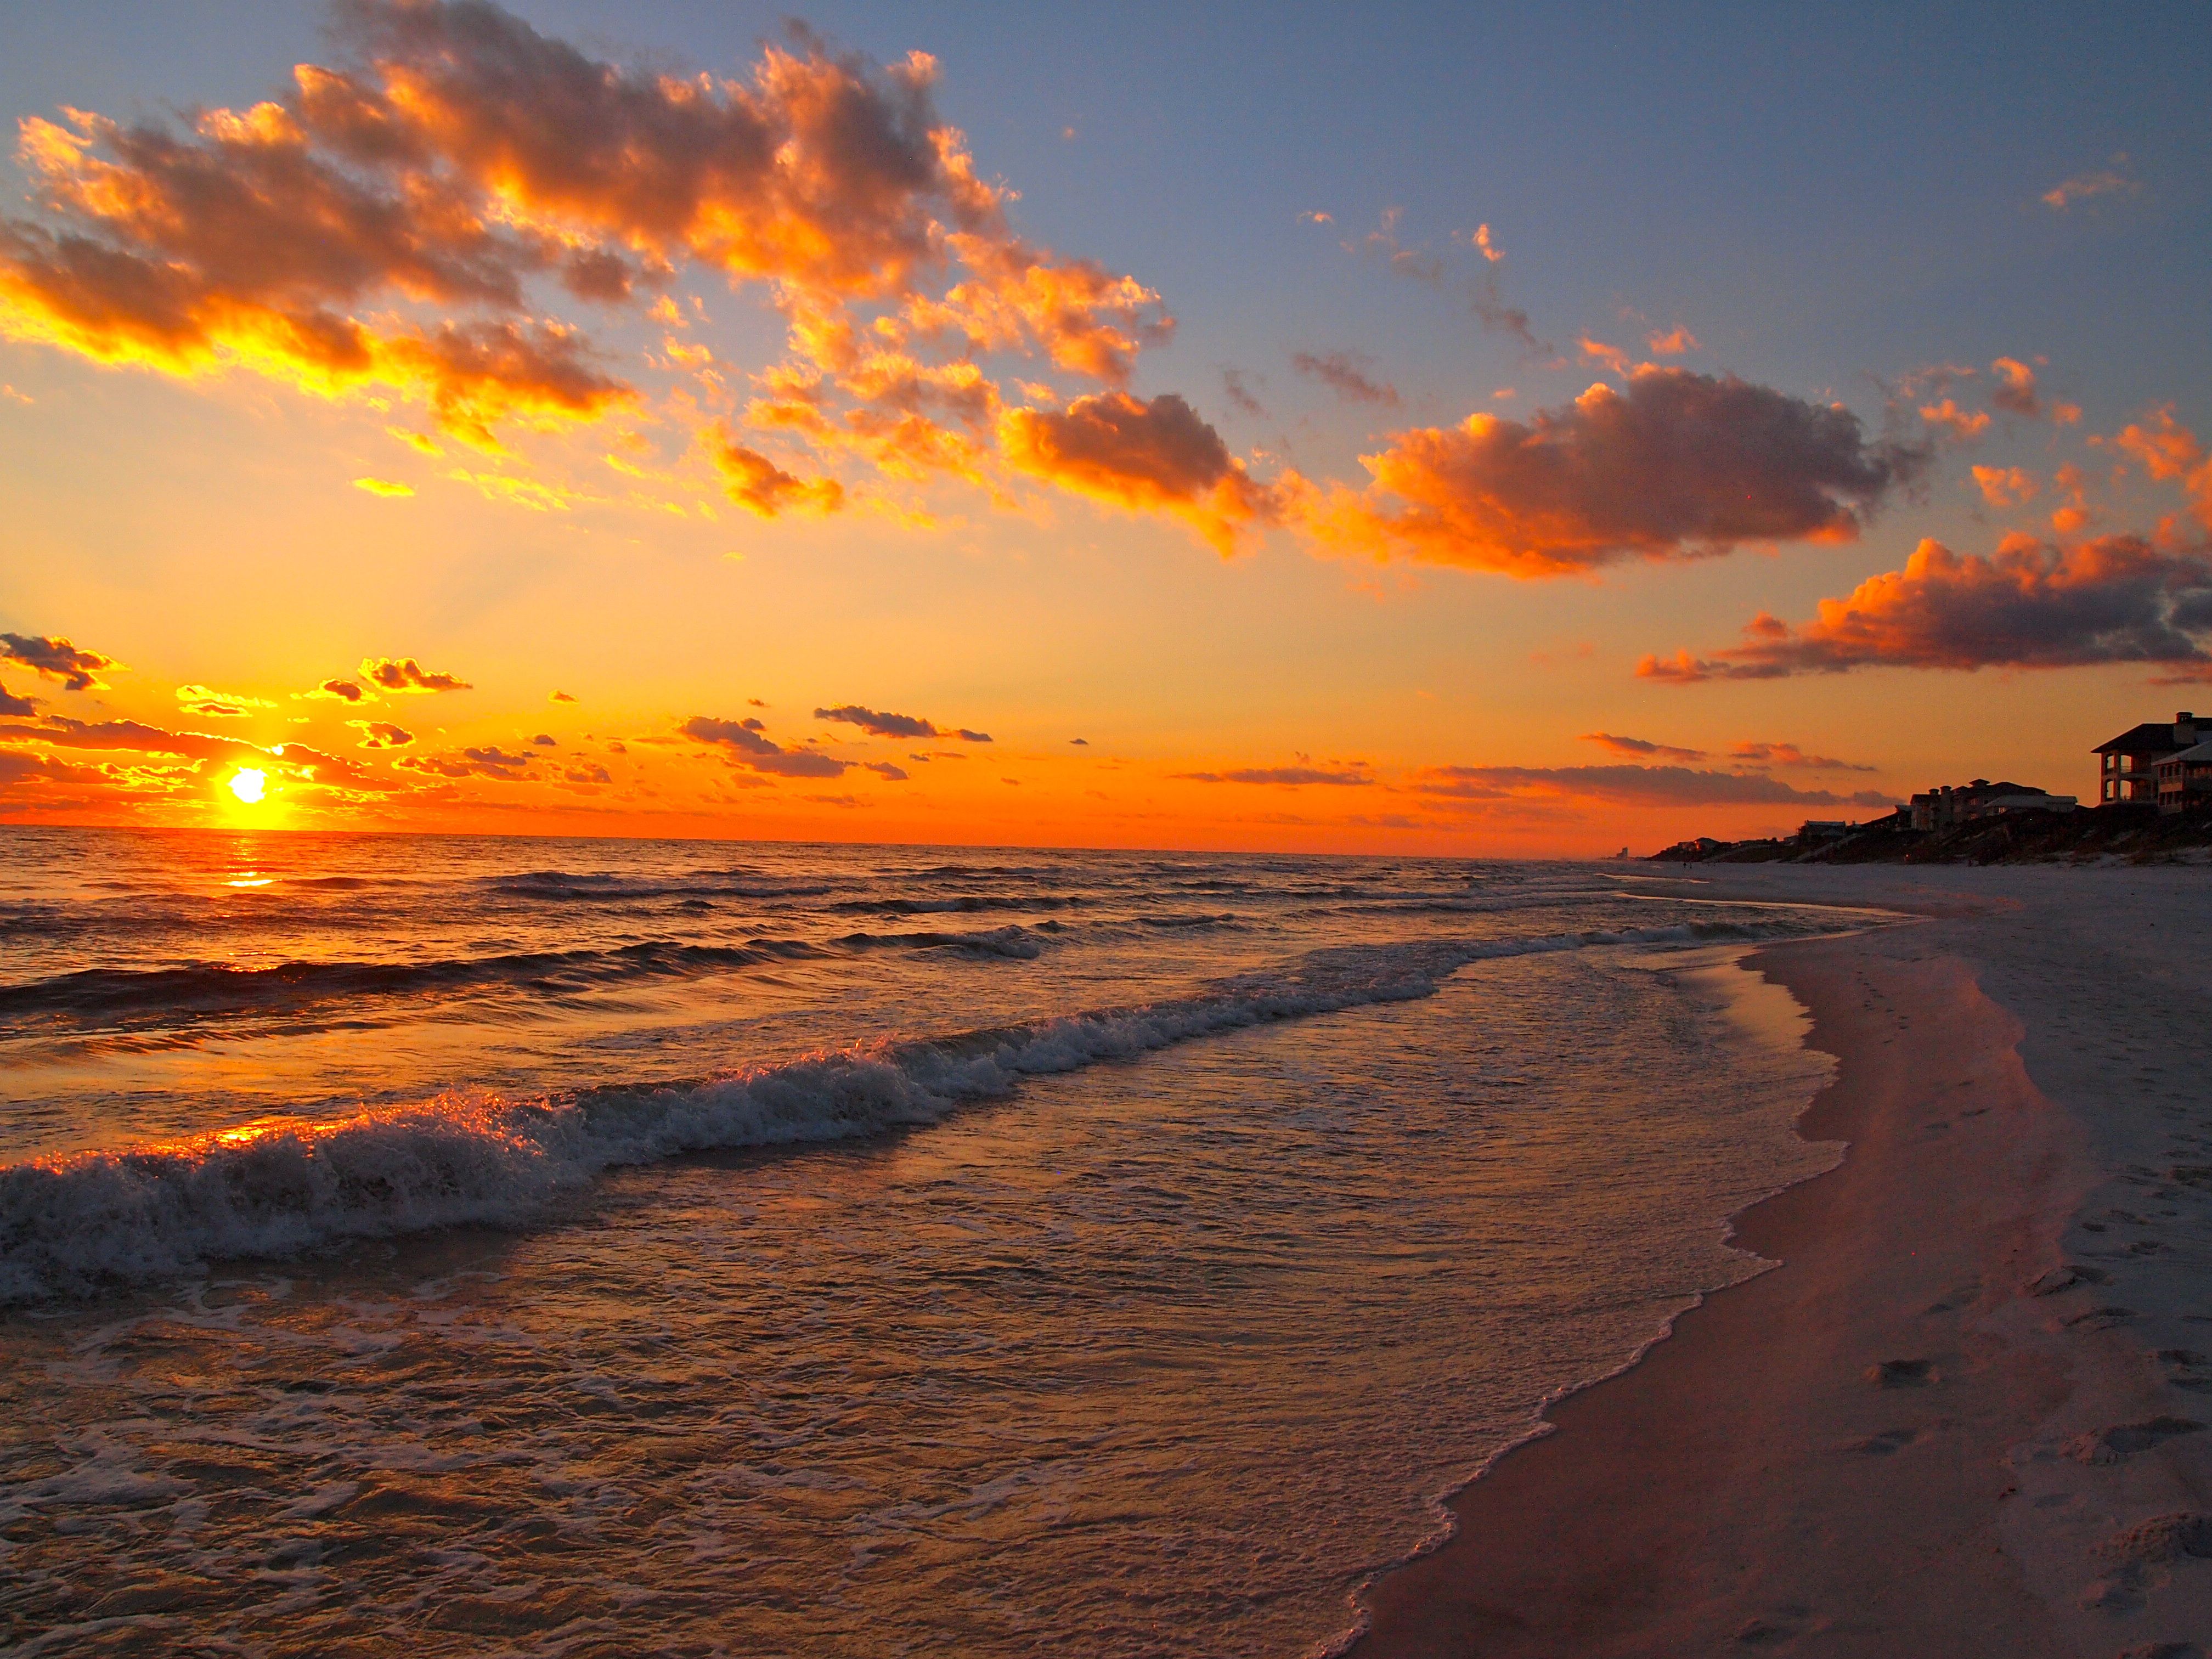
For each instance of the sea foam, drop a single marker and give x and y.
(71, 1226)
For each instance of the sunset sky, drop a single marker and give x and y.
(1410, 429)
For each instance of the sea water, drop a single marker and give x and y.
(461, 1246)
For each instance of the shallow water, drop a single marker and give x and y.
(1139, 1259)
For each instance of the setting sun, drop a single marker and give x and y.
(249, 784)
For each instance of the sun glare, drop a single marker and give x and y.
(247, 784)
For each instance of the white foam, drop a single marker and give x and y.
(72, 1225)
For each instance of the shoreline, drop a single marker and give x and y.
(1903, 1439)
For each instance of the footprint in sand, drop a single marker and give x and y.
(1902, 1374)
(2124, 1440)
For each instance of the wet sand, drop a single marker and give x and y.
(1936, 1428)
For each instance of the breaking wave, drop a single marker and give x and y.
(73, 1225)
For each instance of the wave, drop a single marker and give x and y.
(596, 887)
(205, 990)
(74, 1225)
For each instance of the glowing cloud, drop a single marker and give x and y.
(2118, 599)
(1145, 457)
(220, 705)
(744, 746)
(406, 675)
(1678, 465)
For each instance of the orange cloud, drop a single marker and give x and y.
(2085, 186)
(381, 734)
(222, 705)
(1962, 425)
(2170, 451)
(2029, 604)
(2006, 486)
(1674, 343)
(2016, 390)
(1145, 457)
(1678, 465)
(456, 161)
(755, 482)
(1612, 357)
(1620, 745)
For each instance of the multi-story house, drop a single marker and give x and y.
(2128, 769)
(2184, 779)
(1947, 808)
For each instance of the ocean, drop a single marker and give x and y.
(489, 1245)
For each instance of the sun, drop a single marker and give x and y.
(248, 784)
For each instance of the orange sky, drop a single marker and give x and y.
(728, 457)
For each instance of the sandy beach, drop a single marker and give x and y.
(1965, 1413)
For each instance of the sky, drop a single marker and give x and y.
(1449, 430)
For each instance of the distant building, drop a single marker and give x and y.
(1946, 808)
(1817, 832)
(2184, 779)
(2129, 771)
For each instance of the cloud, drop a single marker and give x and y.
(544, 740)
(2118, 599)
(878, 724)
(1632, 786)
(1620, 745)
(1961, 425)
(2016, 391)
(489, 762)
(1612, 358)
(1293, 776)
(382, 734)
(12, 704)
(405, 674)
(454, 161)
(744, 746)
(72, 665)
(2086, 186)
(1488, 249)
(1677, 465)
(1342, 374)
(559, 696)
(220, 705)
(384, 486)
(1789, 754)
(1674, 343)
(2168, 451)
(897, 775)
(755, 482)
(2006, 486)
(1145, 457)
(340, 691)
(1232, 383)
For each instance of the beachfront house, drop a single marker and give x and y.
(2184, 779)
(1947, 808)
(2129, 766)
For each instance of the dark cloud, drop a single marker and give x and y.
(405, 674)
(12, 704)
(1632, 785)
(1293, 775)
(744, 746)
(1344, 375)
(73, 665)
(1240, 395)
(382, 734)
(897, 775)
(489, 762)
(1620, 745)
(543, 740)
(1789, 754)
(1677, 465)
(2029, 604)
(877, 723)
(339, 690)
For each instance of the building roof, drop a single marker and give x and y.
(2200, 755)
(2151, 738)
